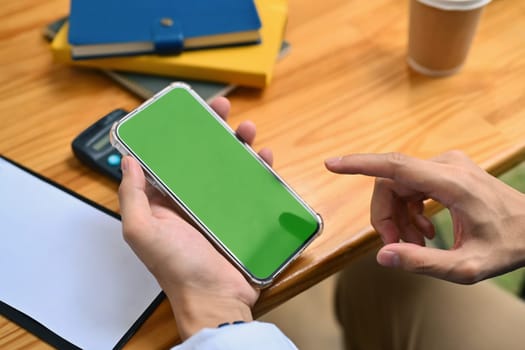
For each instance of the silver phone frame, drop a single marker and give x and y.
(156, 182)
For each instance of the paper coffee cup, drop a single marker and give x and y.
(441, 33)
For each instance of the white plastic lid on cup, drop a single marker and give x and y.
(455, 5)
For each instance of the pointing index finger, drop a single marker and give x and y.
(421, 175)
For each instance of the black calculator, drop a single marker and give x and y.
(94, 149)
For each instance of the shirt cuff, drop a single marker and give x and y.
(251, 335)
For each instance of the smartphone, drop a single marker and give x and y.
(236, 200)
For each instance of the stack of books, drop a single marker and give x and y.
(146, 44)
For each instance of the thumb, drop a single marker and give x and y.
(134, 204)
(432, 262)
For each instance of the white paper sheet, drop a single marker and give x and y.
(65, 264)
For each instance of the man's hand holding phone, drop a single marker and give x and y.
(203, 288)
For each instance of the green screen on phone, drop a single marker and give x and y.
(226, 188)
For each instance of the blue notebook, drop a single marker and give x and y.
(145, 86)
(101, 28)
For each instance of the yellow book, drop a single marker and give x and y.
(250, 65)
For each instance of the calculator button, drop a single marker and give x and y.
(113, 159)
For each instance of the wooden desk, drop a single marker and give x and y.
(344, 88)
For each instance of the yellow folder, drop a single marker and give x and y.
(249, 65)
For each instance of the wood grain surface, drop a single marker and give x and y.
(344, 88)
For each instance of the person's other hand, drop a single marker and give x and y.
(488, 216)
(204, 289)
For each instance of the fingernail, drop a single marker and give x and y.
(388, 258)
(332, 161)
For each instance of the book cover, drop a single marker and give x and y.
(123, 27)
(145, 85)
(249, 65)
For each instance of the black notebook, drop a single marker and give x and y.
(66, 273)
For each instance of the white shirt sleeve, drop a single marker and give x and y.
(251, 335)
